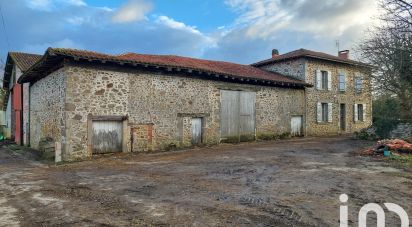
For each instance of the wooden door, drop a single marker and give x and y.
(107, 136)
(296, 126)
(237, 115)
(229, 114)
(196, 131)
(342, 117)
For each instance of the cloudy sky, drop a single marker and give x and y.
(242, 31)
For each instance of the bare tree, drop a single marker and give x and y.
(389, 48)
(2, 68)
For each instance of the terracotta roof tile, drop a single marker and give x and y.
(311, 54)
(207, 66)
(24, 60)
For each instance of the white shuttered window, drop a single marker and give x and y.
(324, 112)
(359, 112)
(323, 80)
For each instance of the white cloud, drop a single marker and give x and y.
(171, 23)
(133, 10)
(76, 20)
(45, 5)
(265, 18)
(76, 2)
(49, 5)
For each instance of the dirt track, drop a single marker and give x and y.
(279, 183)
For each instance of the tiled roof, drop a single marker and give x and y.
(24, 60)
(310, 54)
(207, 67)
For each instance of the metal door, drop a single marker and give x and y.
(196, 131)
(237, 118)
(296, 126)
(107, 136)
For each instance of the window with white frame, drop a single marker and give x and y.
(342, 82)
(323, 80)
(324, 112)
(359, 112)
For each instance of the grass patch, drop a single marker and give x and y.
(16, 148)
(407, 159)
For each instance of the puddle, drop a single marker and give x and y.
(146, 163)
(154, 210)
(315, 163)
(44, 200)
(7, 214)
(369, 170)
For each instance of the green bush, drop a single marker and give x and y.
(386, 114)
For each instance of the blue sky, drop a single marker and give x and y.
(242, 31)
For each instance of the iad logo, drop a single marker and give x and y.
(380, 213)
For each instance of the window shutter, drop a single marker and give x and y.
(329, 112)
(318, 79)
(364, 111)
(329, 80)
(355, 112)
(319, 112)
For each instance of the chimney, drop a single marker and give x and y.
(275, 53)
(343, 54)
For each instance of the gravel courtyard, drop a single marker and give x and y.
(293, 182)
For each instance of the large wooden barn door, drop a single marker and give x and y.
(107, 136)
(237, 115)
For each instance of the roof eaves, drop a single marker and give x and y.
(102, 58)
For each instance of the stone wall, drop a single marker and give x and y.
(26, 113)
(275, 109)
(294, 68)
(402, 130)
(47, 108)
(159, 108)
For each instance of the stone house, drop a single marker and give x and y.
(340, 101)
(16, 101)
(91, 103)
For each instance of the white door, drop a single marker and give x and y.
(107, 136)
(296, 126)
(196, 131)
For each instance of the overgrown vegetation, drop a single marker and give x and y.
(388, 47)
(407, 159)
(385, 115)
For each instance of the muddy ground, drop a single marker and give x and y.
(280, 183)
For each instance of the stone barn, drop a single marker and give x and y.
(97, 103)
(91, 103)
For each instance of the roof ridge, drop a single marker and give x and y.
(180, 56)
(299, 53)
(19, 52)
